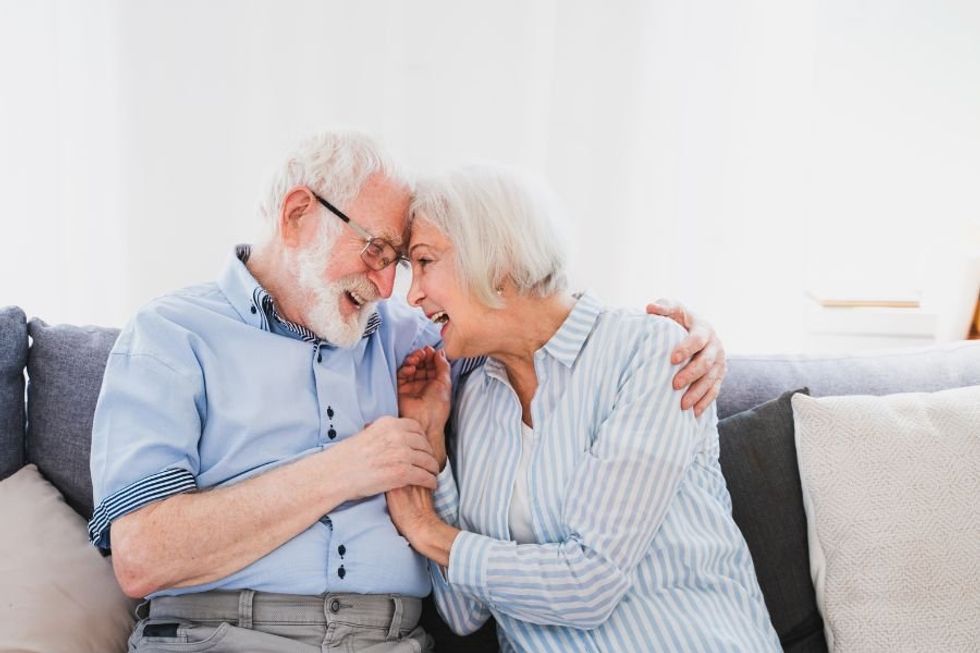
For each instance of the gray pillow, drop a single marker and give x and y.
(758, 459)
(13, 357)
(64, 368)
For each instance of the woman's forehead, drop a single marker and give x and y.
(425, 233)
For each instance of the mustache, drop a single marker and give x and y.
(359, 284)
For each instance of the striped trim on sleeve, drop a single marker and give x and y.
(446, 496)
(136, 495)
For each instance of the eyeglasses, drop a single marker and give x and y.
(378, 253)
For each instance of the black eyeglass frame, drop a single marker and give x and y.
(374, 261)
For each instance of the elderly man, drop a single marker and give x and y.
(247, 429)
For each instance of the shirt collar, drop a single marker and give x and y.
(569, 339)
(257, 307)
(567, 342)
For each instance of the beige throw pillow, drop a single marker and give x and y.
(57, 593)
(891, 488)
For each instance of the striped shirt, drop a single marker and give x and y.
(636, 549)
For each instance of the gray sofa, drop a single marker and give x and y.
(62, 368)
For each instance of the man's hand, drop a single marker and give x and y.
(389, 453)
(706, 368)
(424, 392)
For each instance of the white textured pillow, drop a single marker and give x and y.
(891, 488)
(57, 592)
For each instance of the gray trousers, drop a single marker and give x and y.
(258, 622)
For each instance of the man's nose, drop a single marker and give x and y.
(384, 280)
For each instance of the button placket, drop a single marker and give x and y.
(332, 432)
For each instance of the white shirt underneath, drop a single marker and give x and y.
(519, 518)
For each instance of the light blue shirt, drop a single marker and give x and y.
(207, 387)
(636, 549)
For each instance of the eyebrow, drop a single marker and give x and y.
(388, 236)
(412, 248)
(397, 243)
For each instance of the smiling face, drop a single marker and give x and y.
(338, 288)
(438, 290)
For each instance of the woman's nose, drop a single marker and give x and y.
(415, 294)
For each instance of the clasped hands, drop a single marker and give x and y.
(424, 393)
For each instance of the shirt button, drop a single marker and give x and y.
(341, 572)
(319, 358)
(331, 434)
(341, 550)
(335, 606)
(254, 311)
(329, 412)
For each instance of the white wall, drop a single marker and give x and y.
(725, 153)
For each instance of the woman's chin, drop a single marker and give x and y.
(450, 345)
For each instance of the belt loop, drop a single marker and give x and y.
(396, 619)
(245, 609)
(142, 610)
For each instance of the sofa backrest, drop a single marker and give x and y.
(752, 380)
(64, 371)
(13, 357)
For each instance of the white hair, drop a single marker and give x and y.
(334, 165)
(502, 226)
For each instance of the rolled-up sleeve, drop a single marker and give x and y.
(147, 424)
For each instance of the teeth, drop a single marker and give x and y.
(360, 301)
(440, 317)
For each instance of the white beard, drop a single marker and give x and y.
(322, 314)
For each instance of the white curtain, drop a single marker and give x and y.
(728, 153)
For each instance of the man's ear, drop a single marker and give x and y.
(297, 207)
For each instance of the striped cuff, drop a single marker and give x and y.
(446, 497)
(468, 565)
(152, 488)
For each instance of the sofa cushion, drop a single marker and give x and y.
(752, 380)
(13, 357)
(890, 486)
(758, 459)
(64, 368)
(58, 593)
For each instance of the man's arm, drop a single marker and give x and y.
(201, 537)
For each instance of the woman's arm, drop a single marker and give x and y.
(413, 512)
(623, 489)
(424, 389)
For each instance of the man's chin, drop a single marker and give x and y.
(343, 330)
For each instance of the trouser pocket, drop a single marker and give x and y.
(165, 635)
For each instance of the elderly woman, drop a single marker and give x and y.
(580, 505)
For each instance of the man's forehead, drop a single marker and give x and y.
(392, 228)
(382, 208)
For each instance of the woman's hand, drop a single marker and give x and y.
(705, 370)
(414, 516)
(410, 506)
(424, 392)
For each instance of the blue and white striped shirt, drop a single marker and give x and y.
(637, 549)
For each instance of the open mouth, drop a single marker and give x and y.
(356, 299)
(440, 317)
